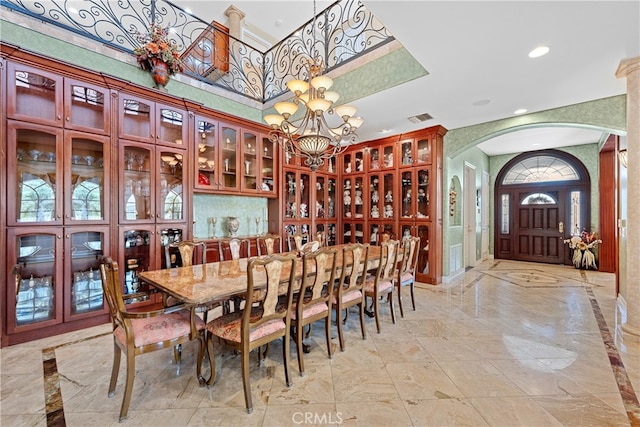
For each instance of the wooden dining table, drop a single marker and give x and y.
(223, 280)
(216, 281)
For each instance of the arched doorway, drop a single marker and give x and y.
(541, 198)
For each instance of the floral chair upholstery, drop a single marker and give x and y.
(136, 333)
(263, 321)
(349, 291)
(382, 283)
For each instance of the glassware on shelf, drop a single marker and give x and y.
(89, 160)
(20, 154)
(257, 220)
(140, 158)
(75, 159)
(51, 157)
(35, 154)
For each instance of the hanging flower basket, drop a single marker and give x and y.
(582, 245)
(158, 54)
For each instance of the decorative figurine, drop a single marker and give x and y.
(347, 197)
(374, 235)
(389, 197)
(359, 165)
(407, 197)
(422, 196)
(358, 197)
(388, 211)
(303, 210)
(375, 212)
(374, 196)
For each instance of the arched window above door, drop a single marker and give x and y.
(542, 168)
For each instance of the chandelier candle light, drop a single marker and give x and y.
(311, 137)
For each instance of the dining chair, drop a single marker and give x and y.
(234, 248)
(382, 283)
(140, 332)
(269, 244)
(321, 237)
(184, 253)
(406, 272)
(314, 298)
(263, 321)
(349, 291)
(296, 241)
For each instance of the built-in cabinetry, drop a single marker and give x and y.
(309, 200)
(57, 197)
(394, 186)
(233, 159)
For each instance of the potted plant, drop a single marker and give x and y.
(158, 54)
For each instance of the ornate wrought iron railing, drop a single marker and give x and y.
(342, 32)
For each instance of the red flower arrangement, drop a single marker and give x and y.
(157, 46)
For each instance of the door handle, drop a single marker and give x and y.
(561, 227)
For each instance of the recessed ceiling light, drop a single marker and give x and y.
(536, 144)
(481, 102)
(384, 130)
(520, 111)
(539, 51)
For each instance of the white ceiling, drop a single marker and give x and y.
(477, 51)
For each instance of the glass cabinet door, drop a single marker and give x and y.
(136, 258)
(250, 161)
(136, 198)
(268, 166)
(85, 247)
(330, 210)
(86, 106)
(207, 140)
(290, 197)
(406, 151)
(407, 209)
(305, 195)
(170, 126)
(229, 157)
(34, 94)
(422, 267)
(423, 154)
(319, 211)
(358, 202)
(86, 189)
(169, 186)
(35, 164)
(33, 301)
(136, 118)
(422, 198)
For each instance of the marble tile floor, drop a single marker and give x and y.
(508, 344)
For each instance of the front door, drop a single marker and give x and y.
(539, 227)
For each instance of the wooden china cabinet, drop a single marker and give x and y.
(58, 192)
(153, 159)
(398, 191)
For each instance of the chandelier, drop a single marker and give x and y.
(311, 136)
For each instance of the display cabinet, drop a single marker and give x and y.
(57, 177)
(297, 197)
(142, 249)
(415, 151)
(151, 183)
(55, 276)
(324, 213)
(218, 156)
(49, 99)
(426, 258)
(143, 120)
(353, 206)
(258, 162)
(415, 193)
(382, 156)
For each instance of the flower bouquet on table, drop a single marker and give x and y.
(582, 244)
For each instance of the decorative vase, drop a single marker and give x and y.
(233, 225)
(160, 73)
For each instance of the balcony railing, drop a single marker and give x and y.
(342, 32)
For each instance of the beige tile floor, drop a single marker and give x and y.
(508, 344)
